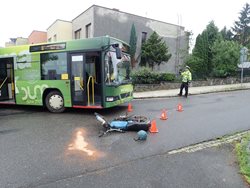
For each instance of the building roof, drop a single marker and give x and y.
(58, 20)
(36, 31)
(117, 10)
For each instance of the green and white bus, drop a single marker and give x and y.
(84, 73)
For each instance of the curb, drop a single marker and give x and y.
(193, 91)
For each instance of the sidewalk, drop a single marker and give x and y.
(192, 91)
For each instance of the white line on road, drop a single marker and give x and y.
(209, 144)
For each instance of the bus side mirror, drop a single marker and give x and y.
(117, 51)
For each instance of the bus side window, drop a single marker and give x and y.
(53, 65)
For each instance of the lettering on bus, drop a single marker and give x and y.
(16, 88)
(24, 60)
(28, 95)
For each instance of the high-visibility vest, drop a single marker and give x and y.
(186, 76)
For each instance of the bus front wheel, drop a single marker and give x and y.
(54, 102)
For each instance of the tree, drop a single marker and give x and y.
(203, 51)
(155, 50)
(200, 53)
(226, 57)
(226, 34)
(190, 39)
(132, 43)
(213, 35)
(196, 65)
(241, 27)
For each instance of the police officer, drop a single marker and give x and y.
(186, 76)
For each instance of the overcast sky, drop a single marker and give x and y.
(20, 17)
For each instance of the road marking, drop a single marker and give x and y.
(209, 144)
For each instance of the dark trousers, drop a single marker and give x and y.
(184, 85)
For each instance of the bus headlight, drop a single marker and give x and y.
(110, 99)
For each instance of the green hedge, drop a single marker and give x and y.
(242, 152)
(147, 76)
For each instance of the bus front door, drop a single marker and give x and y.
(78, 79)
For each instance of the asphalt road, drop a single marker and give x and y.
(39, 149)
(209, 168)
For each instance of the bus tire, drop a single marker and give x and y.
(54, 102)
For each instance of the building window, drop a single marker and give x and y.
(88, 30)
(78, 34)
(54, 37)
(53, 65)
(143, 37)
(49, 40)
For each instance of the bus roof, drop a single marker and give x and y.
(79, 44)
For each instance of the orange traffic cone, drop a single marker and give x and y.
(153, 128)
(164, 115)
(130, 107)
(179, 108)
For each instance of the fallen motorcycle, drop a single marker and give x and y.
(124, 123)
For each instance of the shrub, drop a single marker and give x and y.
(146, 76)
(167, 77)
(219, 73)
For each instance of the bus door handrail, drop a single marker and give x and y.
(93, 90)
(3, 82)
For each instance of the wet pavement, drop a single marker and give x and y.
(209, 168)
(40, 149)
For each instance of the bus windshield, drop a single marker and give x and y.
(117, 71)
